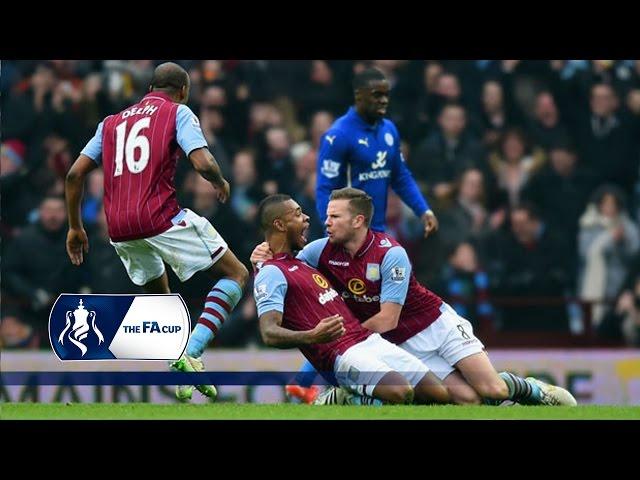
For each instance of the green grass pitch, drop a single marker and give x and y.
(231, 411)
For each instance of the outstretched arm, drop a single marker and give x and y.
(274, 335)
(77, 241)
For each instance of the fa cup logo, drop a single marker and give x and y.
(80, 329)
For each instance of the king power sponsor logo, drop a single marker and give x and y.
(119, 327)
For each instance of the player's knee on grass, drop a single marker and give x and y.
(464, 395)
(394, 388)
(396, 394)
(431, 390)
(461, 392)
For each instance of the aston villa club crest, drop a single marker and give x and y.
(373, 272)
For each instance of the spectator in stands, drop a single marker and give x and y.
(212, 123)
(465, 285)
(608, 240)
(468, 217)
(17, 198)
(93, 105)
(545, 127)
(320, 122)
(606, 140)
(560, 191)
(529, 273)
(14, 333)
(34, 270)
(631, 312)
(514, 164)
(425, 111)
(276, 166)
(497, 114)
(623, 322)
(321, 92)
(246, 193)
(448, 89)
(446, 153)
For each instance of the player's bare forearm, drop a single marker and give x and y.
(274, 335)
(74, 188)
(207, 166)
(213, 175)
(386, 319)
(77, 242)
(73, 193)
(380, 323)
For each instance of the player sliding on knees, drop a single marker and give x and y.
(372, 272)
(297, 307)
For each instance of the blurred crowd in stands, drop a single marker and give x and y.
(532, 167)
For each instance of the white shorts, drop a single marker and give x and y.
(444, 343)
(362, 366)
(190, 245)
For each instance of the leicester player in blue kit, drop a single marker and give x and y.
(362, 150)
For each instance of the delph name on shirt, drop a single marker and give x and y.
(147, 109)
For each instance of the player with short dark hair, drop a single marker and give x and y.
(362, 150)
(138, 149)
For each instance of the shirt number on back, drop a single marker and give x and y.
(126, 146)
